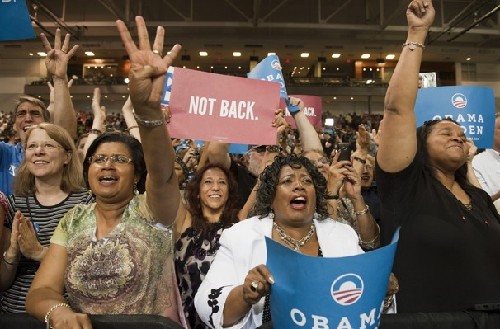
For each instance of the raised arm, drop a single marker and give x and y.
(217, 152)
(398, 142)
(308, 135)
(147, 75)
(128, 115)
(99, 113)
(57, 65)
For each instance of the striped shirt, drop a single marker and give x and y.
(45, 219)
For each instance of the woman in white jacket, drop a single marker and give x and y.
(291, 210)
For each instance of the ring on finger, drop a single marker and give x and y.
(157, 52)
(254, 285)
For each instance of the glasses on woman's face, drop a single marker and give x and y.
(101, 159)
(46, 146)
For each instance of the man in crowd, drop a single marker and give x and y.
(30, 111)
(487, 167)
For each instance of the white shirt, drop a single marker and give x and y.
(487, 170)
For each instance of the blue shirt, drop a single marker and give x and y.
(11, 157)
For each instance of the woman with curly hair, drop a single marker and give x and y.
(291, 210)
(211, 206)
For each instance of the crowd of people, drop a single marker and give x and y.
(107, 214)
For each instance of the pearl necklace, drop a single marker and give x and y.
(295, 244)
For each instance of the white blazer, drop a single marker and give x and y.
(242, 247)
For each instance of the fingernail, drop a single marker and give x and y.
(271, 279)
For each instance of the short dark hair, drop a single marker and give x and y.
(134, 147)
(230, 211)
(270, 177)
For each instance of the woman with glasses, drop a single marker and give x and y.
(447, 257)
(115, 256)
(49, 182)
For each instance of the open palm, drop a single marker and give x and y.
(147, 67)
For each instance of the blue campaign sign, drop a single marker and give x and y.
(233, 148)
(269, 69)
(324, 292)
(473, 107)
(15, 22)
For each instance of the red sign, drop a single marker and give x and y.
(215, 107)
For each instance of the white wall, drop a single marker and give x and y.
(487, 75)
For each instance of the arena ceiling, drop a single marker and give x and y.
(463, 29)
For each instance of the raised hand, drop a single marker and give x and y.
(472, 149)
(98, 110)
(147, 68)
(420, 14)
(58, 57)
(363, 139)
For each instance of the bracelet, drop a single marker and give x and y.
(363, 212)
(413, 45)
(6, 261)
(388, 301)
(47, 315)
(95, 131)
(369, 245)
(132, 127)
(331, 197)
(149, 123)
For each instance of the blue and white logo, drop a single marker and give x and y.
(275, 64)
(459, 101)
(347, 289)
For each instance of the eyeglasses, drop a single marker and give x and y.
(47, 146)
(101, 159)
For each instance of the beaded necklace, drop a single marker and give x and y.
(295, 244)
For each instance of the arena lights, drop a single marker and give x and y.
(390, 56)
(203, 53)
(336, 55)
(365, 56)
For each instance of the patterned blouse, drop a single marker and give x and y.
(130, 271)
(194, 254)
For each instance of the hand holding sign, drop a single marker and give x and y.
(269, 69)
(257, 284)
